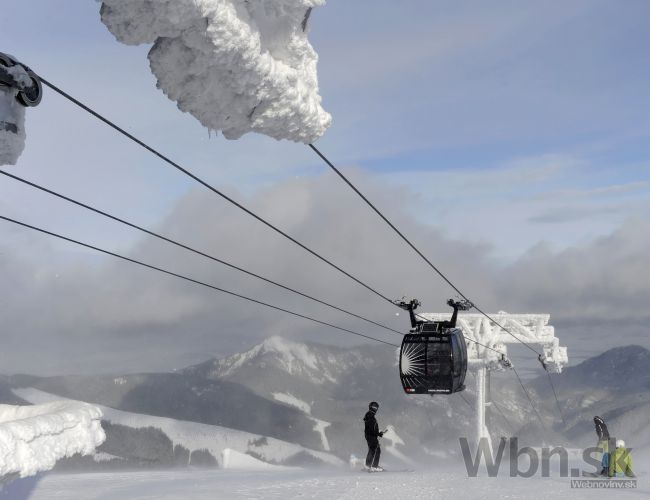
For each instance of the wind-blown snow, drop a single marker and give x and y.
(33, 438)
(443, 480)
(391, 436)
(196, 436)
(237, 66)
(232, 459)
(295, 358)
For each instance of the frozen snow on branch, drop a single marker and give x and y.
(237, 66)
(33, 438)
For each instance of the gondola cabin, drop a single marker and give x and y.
(433, 357)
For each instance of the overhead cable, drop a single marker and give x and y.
(209, 186)
(191, 280)
(408, 242)
(193, 250)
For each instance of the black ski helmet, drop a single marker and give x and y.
(373, 407)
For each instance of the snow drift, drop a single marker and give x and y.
(236, 65)
(33, 438)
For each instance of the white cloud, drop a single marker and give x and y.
(114, 310)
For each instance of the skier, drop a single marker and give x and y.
(603, 443)
(620, 461)
(372, 435)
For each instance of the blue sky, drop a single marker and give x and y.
(424, 94)
(506, 125)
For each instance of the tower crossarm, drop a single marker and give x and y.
(488, 338)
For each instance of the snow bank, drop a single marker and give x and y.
(236, 66)
(33, 438)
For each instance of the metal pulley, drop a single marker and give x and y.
(17, 76)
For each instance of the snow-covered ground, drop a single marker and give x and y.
(344, 484)
(246, 477)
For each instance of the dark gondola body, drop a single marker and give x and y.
(433, 357)
(433, 362)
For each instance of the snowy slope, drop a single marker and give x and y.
(614, 385)
(319, 425)
(196, 436)
(232, 459)
(186, 397)
(442, 482)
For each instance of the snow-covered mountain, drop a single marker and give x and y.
(614, 385)
(316, 395)
(306, 373)
(276, 353)
(334, 385)
(185, 397)
(191, 437)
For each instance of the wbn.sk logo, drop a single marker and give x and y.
(529, 469)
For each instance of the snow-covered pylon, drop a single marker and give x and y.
(34, 438)
(236, 66)
(487, 340)
(20, 87)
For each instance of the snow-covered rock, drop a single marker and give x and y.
(236, 66)
(33, 438)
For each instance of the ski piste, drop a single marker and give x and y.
(369, 471)
(383, 470)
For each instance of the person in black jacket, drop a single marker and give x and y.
(372, 435)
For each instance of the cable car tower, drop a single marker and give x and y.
(487, 349)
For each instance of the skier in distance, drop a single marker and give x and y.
(372, 435)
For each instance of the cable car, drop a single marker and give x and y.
(433, 357)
